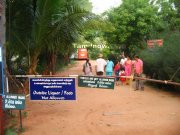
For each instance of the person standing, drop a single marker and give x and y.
(100, 65)
(87, 68)
(128, 68)
(122, 75)
(122, 62)
(116, 71)
(138, 70)
(109, 67)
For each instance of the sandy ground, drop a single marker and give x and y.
(121, 111)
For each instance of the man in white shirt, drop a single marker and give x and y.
(100, 65)
(122, 62)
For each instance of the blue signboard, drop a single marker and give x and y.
(52, 88)
(1, 73)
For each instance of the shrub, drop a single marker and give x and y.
(162, 62)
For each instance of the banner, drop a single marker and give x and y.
(52, 88)
(14, 101)
(96, 82)
(152, 43)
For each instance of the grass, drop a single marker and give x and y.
(13, 126)
(10, 131)
(25, 114)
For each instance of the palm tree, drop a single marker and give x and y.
(42, 27)
(55, 28)
(18, 31)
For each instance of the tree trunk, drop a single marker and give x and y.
(53, 66)
(33, 65)
(15, 86)
(51, 63)
(31, 70)
(48, 61)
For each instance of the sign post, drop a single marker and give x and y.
(16, 102)
(2, 41)
(1, 92)
(1, 73)
(1, 117)
(152, 43)
(20, 116)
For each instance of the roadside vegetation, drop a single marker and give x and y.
(40, 36)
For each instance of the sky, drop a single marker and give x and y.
(99, 6)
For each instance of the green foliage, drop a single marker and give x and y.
(136, 21)
(93, 34)
(10, 131)
(162, 62)
(61, 29)
(22, 130)
(18, 32)
(93, 53)
(169, 13)
(12, 128)
(84, 4)
(43, 27)
(133, 21)
(25, 114)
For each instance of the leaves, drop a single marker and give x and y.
(163, 61)
(132, 21)
(43, 26)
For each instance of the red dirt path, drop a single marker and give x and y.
(121, 111)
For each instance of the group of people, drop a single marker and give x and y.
(122, 69)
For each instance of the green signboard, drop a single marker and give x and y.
(96, 82)
(14, 101)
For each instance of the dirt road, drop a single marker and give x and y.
(121, 111)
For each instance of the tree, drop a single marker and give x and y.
(133, 21)
(19, 23)
(168, 18)
(163, 62)
(43, 26)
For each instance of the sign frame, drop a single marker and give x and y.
(10, 99)
(152, 43)
(96, 82)
(52, 88)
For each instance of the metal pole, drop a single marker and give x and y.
(2, 41)
(1, 117)
(175, 73)
(158, 81)
(141, 78)
(7, 84)
(20, 114)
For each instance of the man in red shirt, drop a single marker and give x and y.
(138, 70)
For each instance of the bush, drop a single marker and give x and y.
(162, 62)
